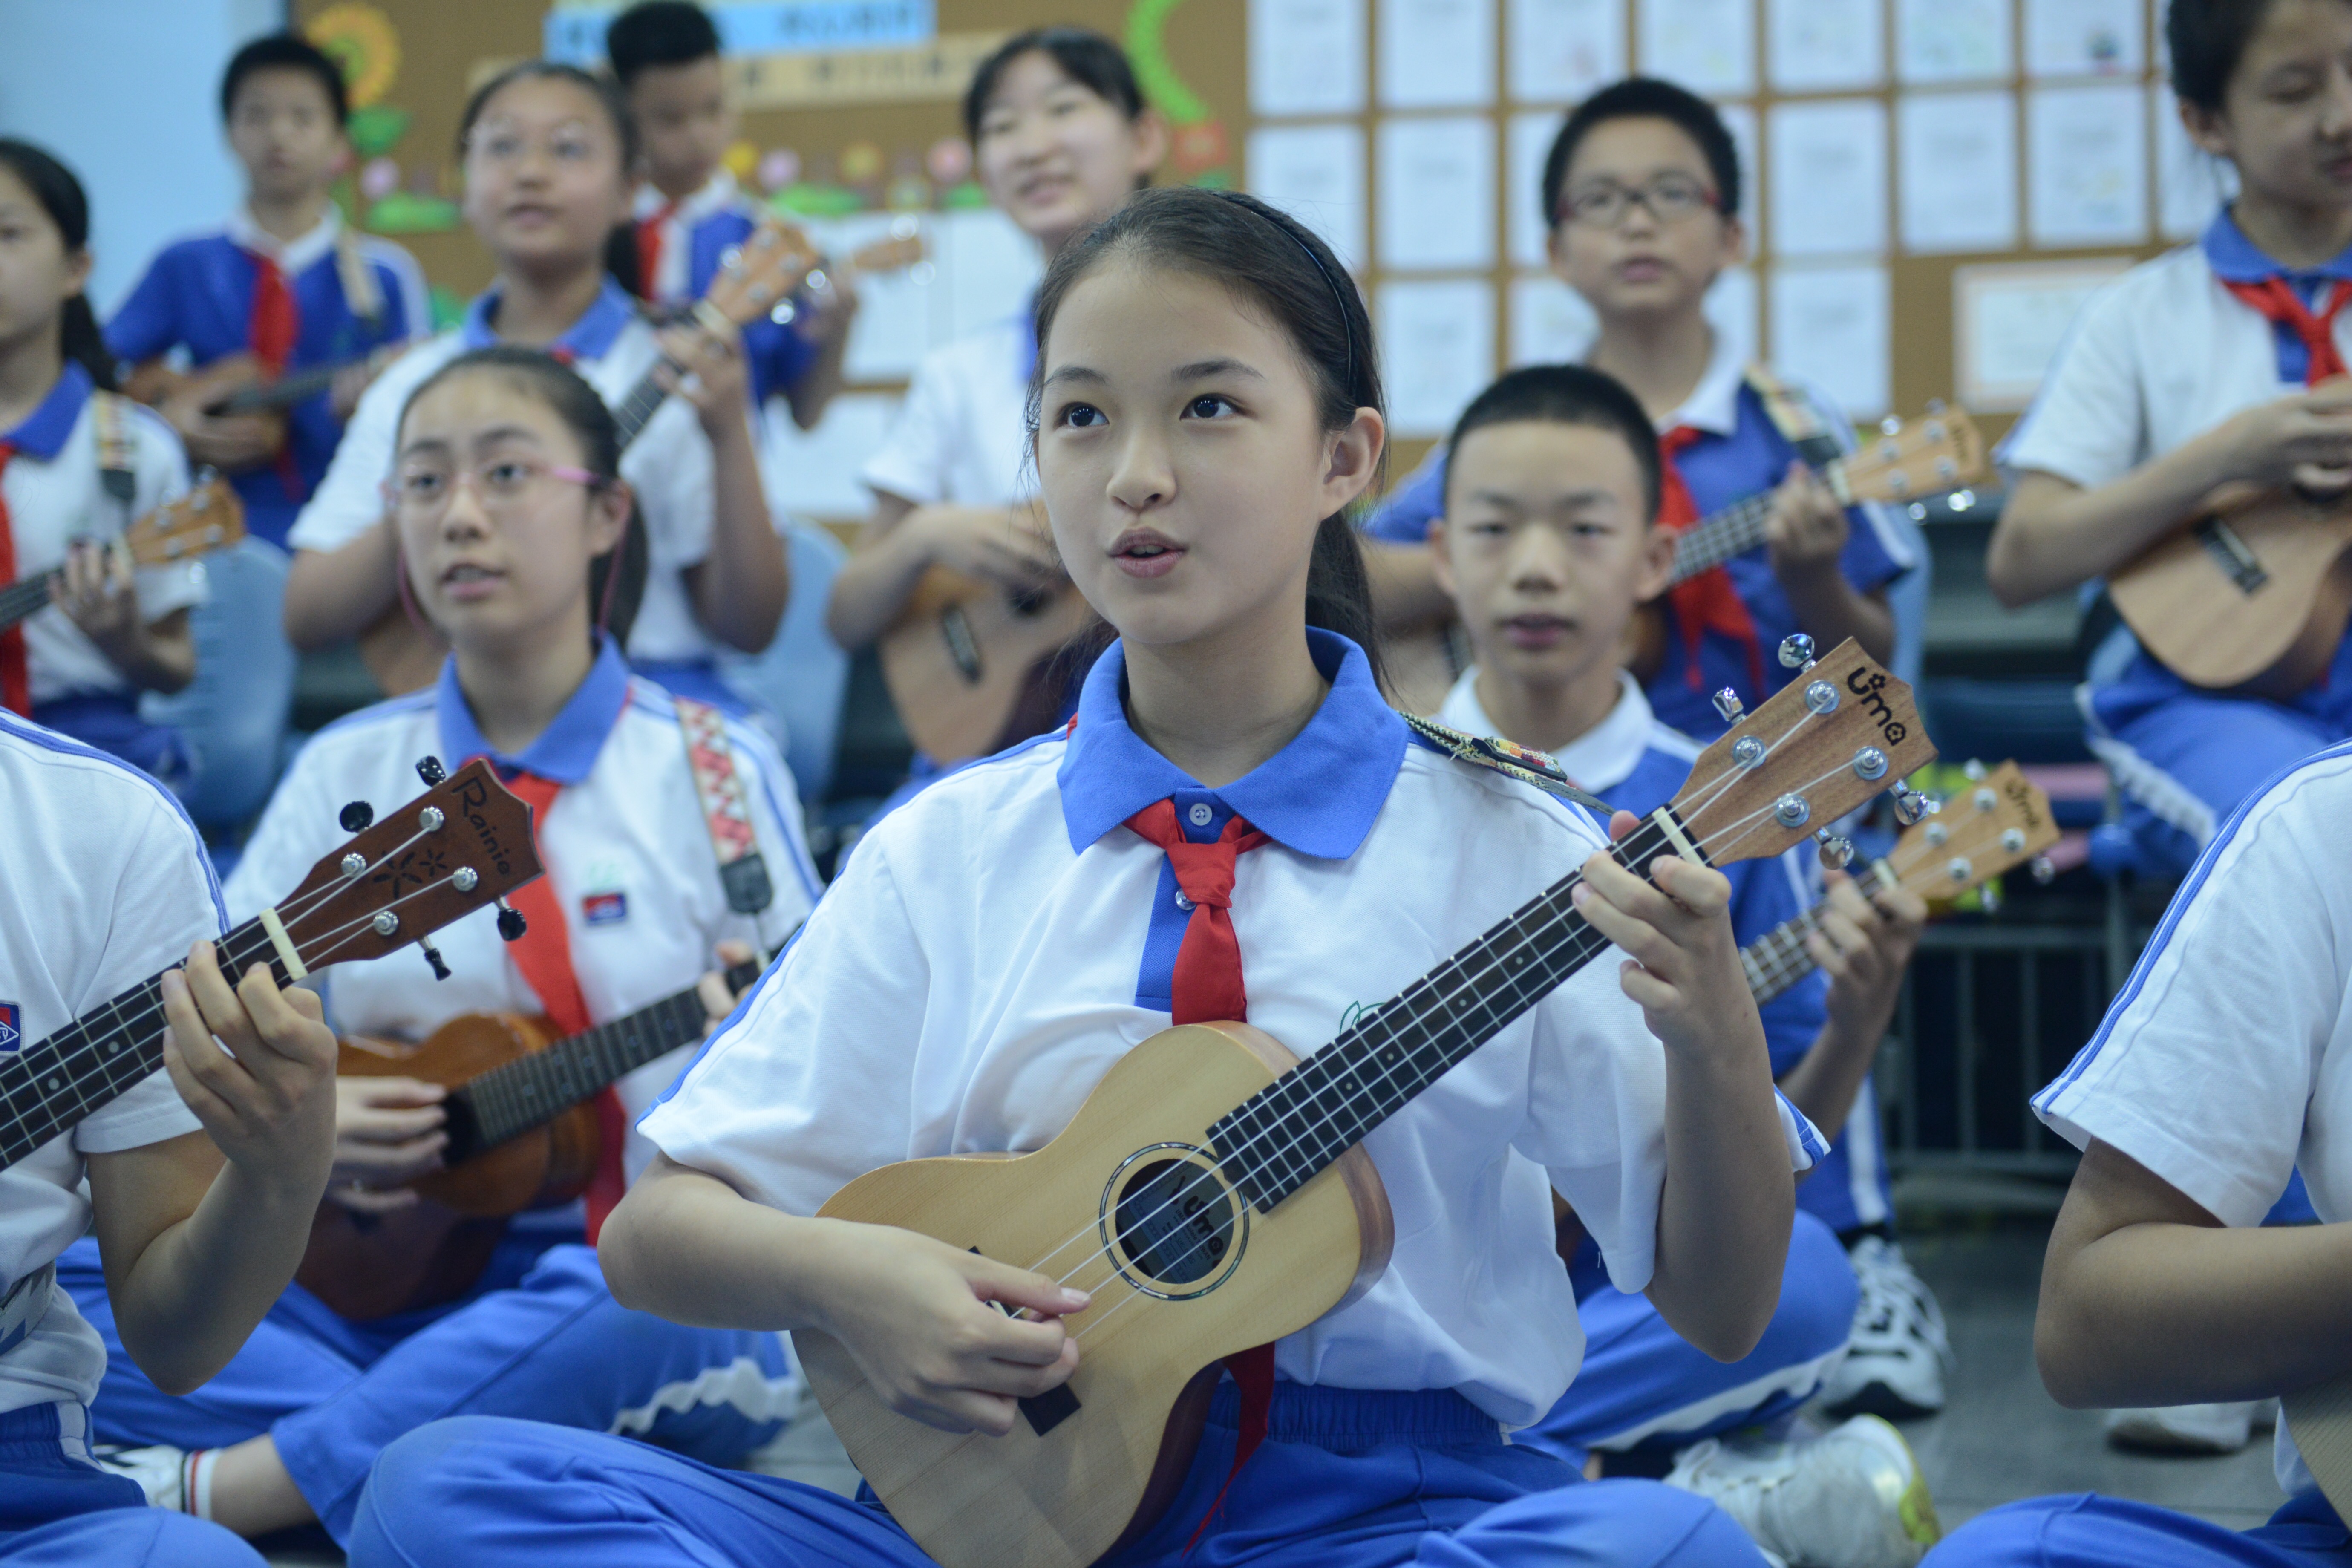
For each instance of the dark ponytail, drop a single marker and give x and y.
(61, 196)
(1266, 257)
(620, 245)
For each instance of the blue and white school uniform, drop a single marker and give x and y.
(1641, 1383)
(2223, 1065)
(991, 949)
(197, 296)
(669, 466)
(1739, 452)
(629, 853)
(2161, 355)
(696, 235)
(56, 494)
(108, 885)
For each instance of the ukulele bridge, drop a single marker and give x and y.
(1171, 1224)
(2232, 555)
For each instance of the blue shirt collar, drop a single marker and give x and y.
(589, 338)
(44, 431)
(1318, 795)
(566, 750)
(2234, 258)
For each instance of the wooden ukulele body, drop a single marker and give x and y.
(370, 1266)
(969, 665)
(2251, 597)
(1116, 1440)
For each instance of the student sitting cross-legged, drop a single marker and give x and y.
(1547, 543)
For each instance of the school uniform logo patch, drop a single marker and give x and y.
(605, 909)
(12, 1033)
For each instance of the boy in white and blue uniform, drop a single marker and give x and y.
(287, 280)
(1546, 546)
(1626, 150)
(690, 213)
(630, 855)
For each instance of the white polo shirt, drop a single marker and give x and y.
(2227, 1060)
(962, 434)
(997, 943)
(55, 495)
(669, 465)
(626, 843)
(107, 886)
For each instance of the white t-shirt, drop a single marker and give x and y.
(996, 944)
(108, 887)
(2227, 1061)
(962, 436)
(626, 843)
(55, 495)
(669, 465)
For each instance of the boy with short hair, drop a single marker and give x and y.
(664, 54)
(287, 282)
(1547, 543)
(1641, 196)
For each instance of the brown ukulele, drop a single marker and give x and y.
(464, 843)
(209, 517)
(239, 386)
(523, 1134)
(1903, 462)
(755, 279)
(1213, 1192)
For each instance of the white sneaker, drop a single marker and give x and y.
(1850, 1498)
(1894, 1367)
(178, 1479)
(2186, 1429)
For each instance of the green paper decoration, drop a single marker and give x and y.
(375, 129)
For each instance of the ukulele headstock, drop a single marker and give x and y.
(1927, 457)
(208, 517)
(1999, 822)
(761, 273)
(1821, 745)
(464, 843)
(904, 248)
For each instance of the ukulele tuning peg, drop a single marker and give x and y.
(430, 770)
(1792, 810)
(1973, 770)
(432, 957)
(783, 314)
(357, 817)
(1910, 806)
(1837, 851)
(511, 924)
(1727, 704)
(1988, 897)
(2044, 869)
(1937, 406)
(1890, 426)
(1796, 651)
(204, 476)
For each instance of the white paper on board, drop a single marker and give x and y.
(1829, 329)
(1307, 57)
(1560, 50)
(1530, 136)
(2086, 164)
(1740, 119)
(989, 267)
(2084, 38)
(814, 473)
(1437, 350)
(1828, 177)
(1824, 46)
(898, 312)
(1951, 40)
(1316, 174)
(1436, 54)
(1707, 46)
(1436, 209)
(1549, 323)
(2190, 182)
(1957, 163)
(2009, 321)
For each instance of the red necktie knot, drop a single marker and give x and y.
(1207, 986)
(2277, 301)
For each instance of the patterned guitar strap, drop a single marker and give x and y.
(725, 812)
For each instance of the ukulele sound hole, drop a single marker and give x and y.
(1176, 1226)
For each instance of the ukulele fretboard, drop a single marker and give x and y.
(26, 597)
(1778, 959)
(1734, 531)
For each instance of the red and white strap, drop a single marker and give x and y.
(725, 811)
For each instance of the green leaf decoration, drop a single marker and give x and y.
(1147, 50)
(448, 306)
(377, 127)
(406, 212)
(967, 197)
(809, 200)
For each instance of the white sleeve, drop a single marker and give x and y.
(350, 498)
(162, 476)
(914, 458)
(2205, 1066)
(298, 825)
(2085, 424)
(806, 1090)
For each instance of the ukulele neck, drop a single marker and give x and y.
(1279, 1140)
(26, 599)
(1734, 531)
(1778, 960)
(636, 411)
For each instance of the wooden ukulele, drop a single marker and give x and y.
(1213, 1192)
(2250, 594)
(208, 517)
(239, 386)
(464, 843)
(1904, 462)
(755, 279)
(523, 1134)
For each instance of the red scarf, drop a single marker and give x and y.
(1708, 601)
(2278, 304)
(649, 248)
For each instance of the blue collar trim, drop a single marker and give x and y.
(2234, 258)
(566, 750)
(589, 338)
(45, 429)
(1318, 795)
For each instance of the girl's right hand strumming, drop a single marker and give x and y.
(929, 1325)
(2304, 440)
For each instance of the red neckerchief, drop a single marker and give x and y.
(1708, 601)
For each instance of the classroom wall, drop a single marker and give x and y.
(123, 91)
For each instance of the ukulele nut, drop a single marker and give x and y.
(1747, 750)
(1960, 869)
(430, 820)
(1792, 811)
(464, 879)
(1796, 651)
(1727, 705)
(353, 864)
(1821, 696)
(1938, 834)
(2013, 839)
(385, 923)
(1870, 764)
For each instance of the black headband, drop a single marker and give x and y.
(1347, 323)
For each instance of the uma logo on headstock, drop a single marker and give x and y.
(1867, 683)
